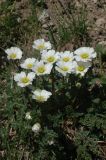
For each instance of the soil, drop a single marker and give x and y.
(96, 15)
(57, 11)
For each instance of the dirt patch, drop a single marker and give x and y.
(60, 13)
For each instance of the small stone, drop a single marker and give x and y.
(102, 43)
(100, 22)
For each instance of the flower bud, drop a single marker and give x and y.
(36, 127)
(50, 142)
(28, 116)
(78, 85)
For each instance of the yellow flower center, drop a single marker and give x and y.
(80, 68)
(41, 69)
(66, 59)
(40, 98)
(25, 80)
(51, 59)
(84, 55)
(13, 55)
(65, 68)
(41, 46)
(29, 65)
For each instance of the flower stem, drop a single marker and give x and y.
(53, 82)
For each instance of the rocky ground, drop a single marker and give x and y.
(96, 16)
(60, 12)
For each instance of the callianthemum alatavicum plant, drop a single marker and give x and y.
(49, 56)
(66, 56)
(48, 68)
(85, 54)
(28, 63)
(55, 86)
(41, 44)
(24, 79)
(65, 67)
(41, 95)
(81, 67)
(13, 53)
(41, 68)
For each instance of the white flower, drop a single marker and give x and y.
(67, 56)
(49, 56)
(28, 63)
(24, 80)
(14, 53)
(50, 142)
(40, 68)
(81, 67)
(64, 67)
(41, 95)
(85, 54)
(36, 128)
(28, 116)
(41, 45)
